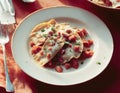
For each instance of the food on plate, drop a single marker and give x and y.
(56, 45)
(108, 3)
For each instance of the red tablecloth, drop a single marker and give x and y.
(109, 80)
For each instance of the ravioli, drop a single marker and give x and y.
(42, 31)
(51, 46)
(73, 41)
(50, 37)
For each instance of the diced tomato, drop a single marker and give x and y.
(108, 2)
(72, 38)
(35, 49)
(76, 48)
(68, 31)
(60, 60)
(50, 65)
(87, 43)
(70, 45)
(59, 69)
(48, 56)
(82, 32)
(74, 63)
(32, 44)
(86, 54)
(59, 35)
(50, 33)
(50, 48)
(89, 53)
(41, 53)
(65, 36)
(67, 65)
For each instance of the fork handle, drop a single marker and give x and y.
(9, 85)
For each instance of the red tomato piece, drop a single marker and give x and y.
(68, 31)
(32, 44)
(82, 33)
(72, 38)
(50, 65)
(35, 49)
(59, 69)
(67, 65)
(88, 43)
(76, 48)
(86, 54)
(74, 63)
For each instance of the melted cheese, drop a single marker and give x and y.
(48, 54)
(70, 52)
(53, 43)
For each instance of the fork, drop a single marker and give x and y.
(4, 39)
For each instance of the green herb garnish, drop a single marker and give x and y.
(43, 30)
(53, 29)
(77, 42)
(45, 48)
(99, 63)
(70, 50)
(82, 62)
(45, 35)
(67, 43)
(55, 35)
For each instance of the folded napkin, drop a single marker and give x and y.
(5, 15)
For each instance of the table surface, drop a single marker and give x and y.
(109, 80)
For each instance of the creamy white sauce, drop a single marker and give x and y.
(52, 52)
(43, 59)
(69, 52)
(47, 30)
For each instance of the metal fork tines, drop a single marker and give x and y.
(4, 38)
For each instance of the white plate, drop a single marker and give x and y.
(103, 45)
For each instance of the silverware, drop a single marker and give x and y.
(28, 1)
(4, 39)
